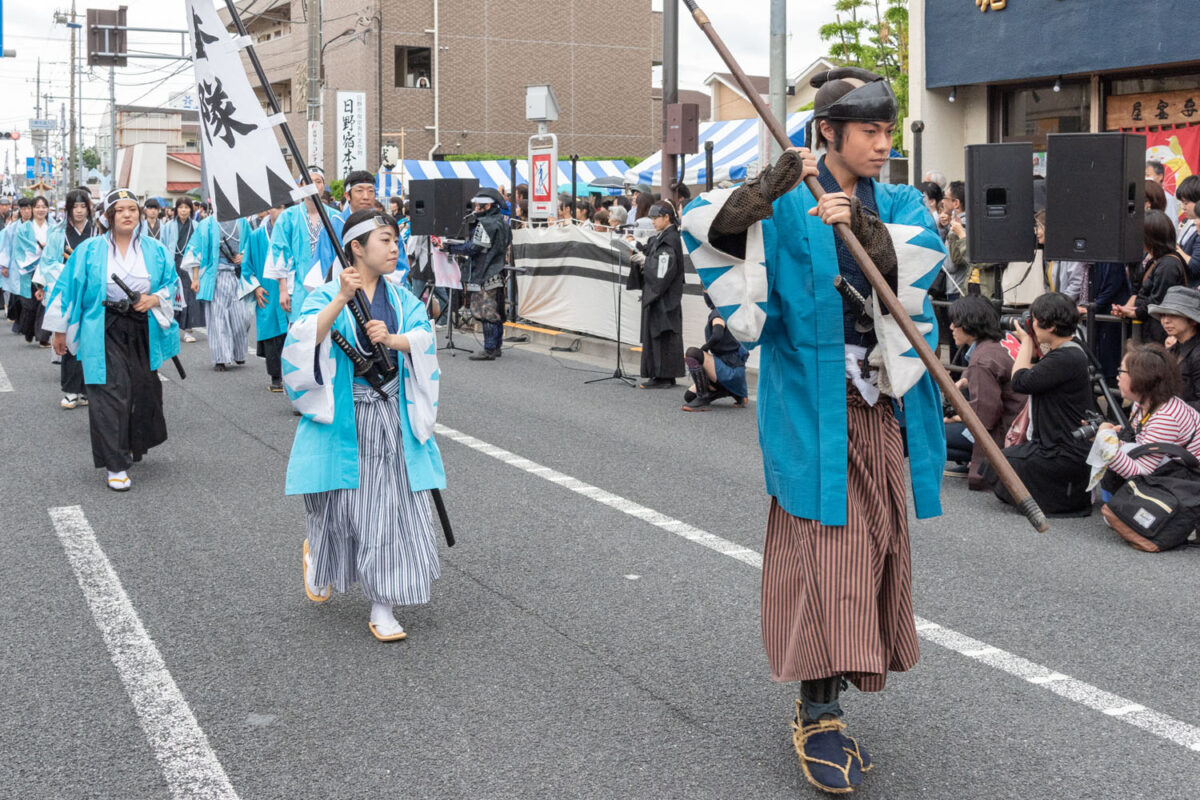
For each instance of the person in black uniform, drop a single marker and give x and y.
(657, 270)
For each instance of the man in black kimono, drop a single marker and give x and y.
(657, 269)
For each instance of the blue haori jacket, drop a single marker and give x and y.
(51, 264)
(76, 306)
(292, 257)
(23, 257)
(318, 377)
(270, 320)
(204, 249)
(781, 297)
(12, 283)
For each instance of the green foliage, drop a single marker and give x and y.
(91, 159)
(337, 189)
(873, 34)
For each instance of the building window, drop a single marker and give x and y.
(283, 93)
(413, 68)
(1032, 114)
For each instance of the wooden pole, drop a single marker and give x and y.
(1008, 475)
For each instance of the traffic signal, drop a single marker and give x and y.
(14, 135)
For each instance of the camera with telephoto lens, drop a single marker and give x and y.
(1011, 322)
(1088, 430)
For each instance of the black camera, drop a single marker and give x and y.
(1011, 322)
(1088, 430)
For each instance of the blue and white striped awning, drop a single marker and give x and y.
(489, 173)
(735, 148)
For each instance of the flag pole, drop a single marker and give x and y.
(360, 298)
(1016, 488)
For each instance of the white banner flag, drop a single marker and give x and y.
(245, 169)
(351, 122)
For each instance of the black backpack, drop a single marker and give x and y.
(1157, 512)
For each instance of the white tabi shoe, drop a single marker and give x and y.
(119, 481)
(69, 401)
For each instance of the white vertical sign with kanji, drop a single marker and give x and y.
(316, 143)
(350, 121)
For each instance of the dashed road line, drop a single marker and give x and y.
(187, 761)
(5, 383)
(1085, 694)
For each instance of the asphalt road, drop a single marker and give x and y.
(571, 649)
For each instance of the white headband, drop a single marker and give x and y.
(366, 226)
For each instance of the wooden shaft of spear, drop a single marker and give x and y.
(1007, 474)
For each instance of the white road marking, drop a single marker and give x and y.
(1113, 705)
(188, 763)
(5, 384)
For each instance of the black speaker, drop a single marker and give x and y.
(439, 207)
(1000, 203)
(1095, 196)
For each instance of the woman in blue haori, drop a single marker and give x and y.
(217, 250)
(365, 464)
(28, 242)
(10, 270)
(270, 321)
(121, 344)
(60, 244)
(301, 251)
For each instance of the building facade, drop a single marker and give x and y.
(1019, 72)
(446, 77)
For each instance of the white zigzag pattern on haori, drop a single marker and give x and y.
(915, 262)
(744, 282)
(309, 397)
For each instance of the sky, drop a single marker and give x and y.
(29, 29)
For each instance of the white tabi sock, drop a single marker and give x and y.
(310, 576)
(383, 619)
(118, 476)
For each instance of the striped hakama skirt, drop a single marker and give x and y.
(379, 535)
(227, 324)
(837, 600)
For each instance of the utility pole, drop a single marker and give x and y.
(778, 74)
(314, 80)
(670, 81)
(70, 121)
(112, 126)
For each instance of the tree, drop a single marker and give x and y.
(91, 159)
(873, 34)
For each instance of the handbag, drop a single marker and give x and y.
(1157, 512)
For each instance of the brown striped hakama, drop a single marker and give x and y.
(838, 599)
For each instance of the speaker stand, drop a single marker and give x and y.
(449, 345)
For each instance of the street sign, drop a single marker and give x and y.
(543, 176)
(43, 124)
(29, 167)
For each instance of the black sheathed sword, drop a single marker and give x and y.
(128, 305)
(369, 371)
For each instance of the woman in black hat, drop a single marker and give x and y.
(1179, 315)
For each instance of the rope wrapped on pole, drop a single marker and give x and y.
(1008, 476)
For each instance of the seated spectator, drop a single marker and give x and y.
(1051, 462)
(975, 325)
(1163, 271)
(1179, 314)
(1188, 194)
(717, 367)
(1149, 379)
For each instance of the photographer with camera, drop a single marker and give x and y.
(1052, 462)
(975, 326)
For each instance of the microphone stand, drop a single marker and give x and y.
(449, 345)
(618, 373)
